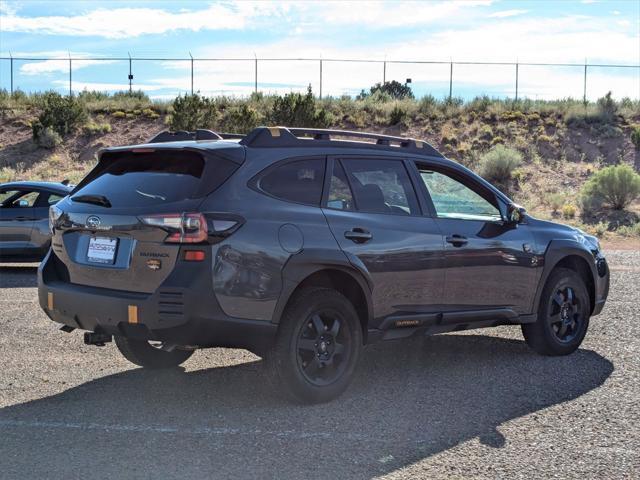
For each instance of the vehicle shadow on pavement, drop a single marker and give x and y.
(409, 401)
(18, 277)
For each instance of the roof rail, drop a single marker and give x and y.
(295, 137)
(183, 135)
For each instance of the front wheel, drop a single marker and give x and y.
(150, 355)
(318, 346)
(563, 315)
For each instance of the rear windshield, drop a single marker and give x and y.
(143, 179)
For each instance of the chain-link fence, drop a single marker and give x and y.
(168, 77)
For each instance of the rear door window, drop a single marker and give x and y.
(18, 198)
(381, 186)
(146, 179)
(297, 181)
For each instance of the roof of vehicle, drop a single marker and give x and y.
(58, 186)
(283, 137)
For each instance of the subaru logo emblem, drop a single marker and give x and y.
(93, 221)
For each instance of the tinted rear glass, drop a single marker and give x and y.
(143, 179)
(299, 181)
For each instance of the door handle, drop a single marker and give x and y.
(358, 235)
(457, 240)
(22, 219)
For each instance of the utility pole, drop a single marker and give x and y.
(11, 56)
(584, 94)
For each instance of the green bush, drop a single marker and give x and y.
(92, 128)
(607, 108)
(568, 210)
(48, 138)
(394, 89)
(556, 201)
(498, 164)
(397, 115)
(635, 136)
(615, 186)
(191, 112)
(297, 110)
(240, 119)
(61, 114)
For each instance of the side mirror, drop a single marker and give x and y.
(515, 213)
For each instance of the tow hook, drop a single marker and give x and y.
(97, 339)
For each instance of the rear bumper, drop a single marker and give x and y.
(183, 311)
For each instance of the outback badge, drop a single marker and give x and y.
(154, 264)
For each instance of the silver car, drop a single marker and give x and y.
(24, 218)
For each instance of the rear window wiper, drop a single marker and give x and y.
(94, 199)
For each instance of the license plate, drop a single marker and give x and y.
(102, 250)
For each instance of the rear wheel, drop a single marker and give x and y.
(563, 315)
(318, 346)
(150, 354)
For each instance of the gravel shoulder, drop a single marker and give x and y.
(477, 404)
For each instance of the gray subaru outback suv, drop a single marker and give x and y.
(303, 246)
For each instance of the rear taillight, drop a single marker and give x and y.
(194, 227)
(54, 214)
(182, 227)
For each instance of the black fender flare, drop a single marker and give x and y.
(310, 261)
(556, 251)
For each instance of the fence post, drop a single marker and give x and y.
(255, 80)
(70, 89)
(10, 55)
(450, 80)
(130, 74)
(584, 94)
(191, 72)
(516, 81)
(320, 79)
(384, 72)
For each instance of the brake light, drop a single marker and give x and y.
(182, 227)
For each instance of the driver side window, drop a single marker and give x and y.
(453, 199)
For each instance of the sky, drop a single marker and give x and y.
(547, 31)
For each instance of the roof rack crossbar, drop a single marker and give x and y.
(183, 135)
(283, 136)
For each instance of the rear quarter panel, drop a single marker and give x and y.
(248, 266)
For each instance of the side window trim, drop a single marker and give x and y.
(254, 182)
(400, 160)
(458, 176)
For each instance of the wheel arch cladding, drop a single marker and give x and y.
(343, 281)
(573, 257)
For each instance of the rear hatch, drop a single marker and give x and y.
(123, 226)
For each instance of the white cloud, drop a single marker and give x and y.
(119, 23)
(508, 13)
(616, 12)
(132, 22)
(58, 65)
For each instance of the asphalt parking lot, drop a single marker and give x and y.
(477, 404)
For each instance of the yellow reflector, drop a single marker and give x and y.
(50, 300)
(275, 131)
(133, 314)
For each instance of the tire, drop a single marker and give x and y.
(142, 353)
(317, 347)
(563, 315)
